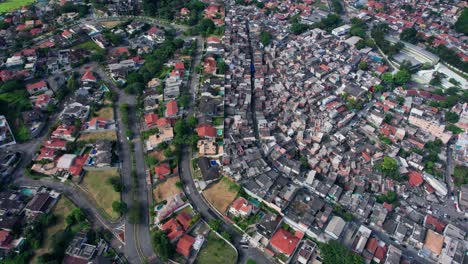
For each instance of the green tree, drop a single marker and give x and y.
(265, 38)
(298, 28)
(402, 77)
(389, 168)
(119, 207)
(335, 252)
(363, 65)
(460, 175)
(162, 245)
(409, 35)
(461, 25)
(215, 224)
(451, 117)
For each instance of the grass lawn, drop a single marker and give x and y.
(96, 184)
(109, 135)
(61, 210)
(221, 194)
(106, 112)
(166, 189)
(158, 154)
(215, 250)
(88, 45)
(10, 5)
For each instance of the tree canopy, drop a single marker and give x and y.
(461, 25)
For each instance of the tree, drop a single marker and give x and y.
(363, 65)
(460, 175)
(389, 168)
(221, 66)
(162, 245)
(226, 235)
(451, 117)
(119, 207)
(298, 28)
(335, 252)
(402, 77)
(409, 35)
(387, 78)
(461, 25)
(337, 6)
(215, 224)
(265, 38)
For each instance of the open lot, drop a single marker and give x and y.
(166, 189)
(88, 45)
(111, 24)
(158, 154)
(221, 194)
(106, 112)
(10, 5)
(97, 186)
(61, 210)
(109, 135)
(215, 250)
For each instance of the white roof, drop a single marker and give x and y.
(65, 161)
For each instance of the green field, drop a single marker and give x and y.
(97, 185)
(88, 45)
(215, 250)
(10, 5)
(62, 209)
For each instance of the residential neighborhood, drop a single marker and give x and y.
(237, 131)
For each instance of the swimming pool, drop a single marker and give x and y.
(28, 192)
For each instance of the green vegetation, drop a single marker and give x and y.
(119, 207)
(335, 252)
(135, 213)
(337, 6)
(358, 28)
(99, 185)
(343, 213)
(460, 175)
(328, 23)
(454, 129)
(265, 38)
(450, 56)
(215, 224)
(378, 34)
(89, 46)
(390, 197)
(451, 117)
(389, 168)
(461, 25)
(162, 245)
(410, 35)
(10, 5)
(298, 28)
(216, 251)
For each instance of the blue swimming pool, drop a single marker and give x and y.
(28, 192)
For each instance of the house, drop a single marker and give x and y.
(241, 207)
(335, 227)
(37, 87)
(209, 65)
(6, 240)
(42, 101)
(151, 120)
(284, 242)
(165, 134)
(184, 219)
(206, 131)
(207, 147)
(79, 250)
(6, 135)
(173, 229)
(171, 109)
(267, 225)
(432, 245)
(64, 132)
(40, 203)
(184, 245)
(162, 170)
(55, 144)
(88, 77)
(209, 173)
(99, 123)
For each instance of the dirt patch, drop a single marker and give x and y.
(109, 135)
(106, 112)
(111, 24)
(158, 154)
(222, 194)
(166, 189)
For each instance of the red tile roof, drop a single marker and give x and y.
(415, 178)
(162, 169)
(179, 66)
(171, 108)
(37, 85)
(184, 219)
(55, 143)
(206, 130)
(163, 122)
(88, 76)
(431, 221)
(284, 242)
(184, 245)
(151, 119)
